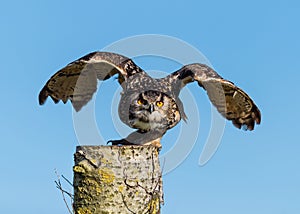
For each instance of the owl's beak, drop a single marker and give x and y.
(151, 108)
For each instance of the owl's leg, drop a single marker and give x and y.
(141, 138)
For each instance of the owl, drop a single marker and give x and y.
(149, 105)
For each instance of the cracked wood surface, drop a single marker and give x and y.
(117, 179)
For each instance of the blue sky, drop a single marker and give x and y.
(254, 44)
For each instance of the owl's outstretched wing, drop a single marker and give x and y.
(78, 80)
(232, 102)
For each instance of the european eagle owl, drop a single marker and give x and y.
(152, 106)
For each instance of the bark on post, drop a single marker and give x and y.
(117, 179)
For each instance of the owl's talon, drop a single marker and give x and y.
(108, 142)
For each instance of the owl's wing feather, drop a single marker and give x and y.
(231, 101)
(78, 80)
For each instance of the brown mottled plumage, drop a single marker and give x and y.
(151, 106)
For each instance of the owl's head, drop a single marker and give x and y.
(152, 110)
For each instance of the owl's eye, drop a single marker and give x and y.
(159, 103)
(140, 101)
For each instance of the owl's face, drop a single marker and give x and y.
(152, 110)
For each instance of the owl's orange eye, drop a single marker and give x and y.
(159, 103)
(140, 101)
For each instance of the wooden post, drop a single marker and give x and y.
(117, 179)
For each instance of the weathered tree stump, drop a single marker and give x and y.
(117, 179)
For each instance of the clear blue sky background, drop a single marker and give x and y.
(254, 44)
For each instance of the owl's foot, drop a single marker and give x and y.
(155, 143)
(121, 142)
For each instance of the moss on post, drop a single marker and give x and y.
(117, 179)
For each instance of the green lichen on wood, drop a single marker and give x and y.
(117, 179)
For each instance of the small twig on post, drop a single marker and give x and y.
(67, 180)
(63, 192)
